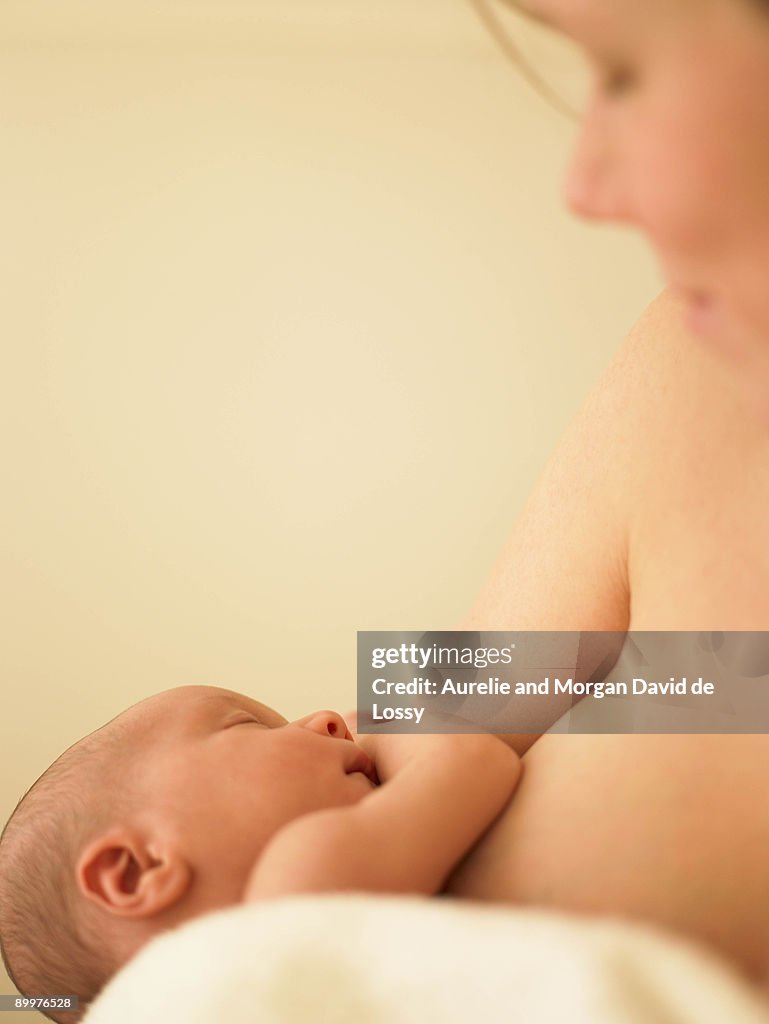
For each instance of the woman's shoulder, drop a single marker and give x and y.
(638, 474)
(699, 479)
(679, 389)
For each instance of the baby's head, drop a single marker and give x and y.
(153, 819)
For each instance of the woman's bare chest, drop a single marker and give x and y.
(699, 547)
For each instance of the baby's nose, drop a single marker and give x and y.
(327, 723)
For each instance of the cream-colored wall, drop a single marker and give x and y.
(292, 316)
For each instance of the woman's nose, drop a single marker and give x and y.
(326, 723)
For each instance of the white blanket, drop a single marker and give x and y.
(358, 959)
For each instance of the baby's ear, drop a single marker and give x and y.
(128, 875)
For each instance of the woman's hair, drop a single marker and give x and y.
(486, 11)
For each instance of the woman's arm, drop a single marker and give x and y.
(439, 793)
(564, 565)
(568, 562)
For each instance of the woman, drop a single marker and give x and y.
(665, 530)
(652, 513)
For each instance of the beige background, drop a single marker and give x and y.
(291, 317)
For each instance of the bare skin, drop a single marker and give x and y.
(668, 829)
(652, 511)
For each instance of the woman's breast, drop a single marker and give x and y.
(667, 829)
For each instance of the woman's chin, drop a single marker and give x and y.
(744, 349)
(703, 312)
(713, 325)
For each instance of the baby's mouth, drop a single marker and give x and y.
(361, 762)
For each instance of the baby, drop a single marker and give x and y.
(199, 798)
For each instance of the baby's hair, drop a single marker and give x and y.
(48, 944)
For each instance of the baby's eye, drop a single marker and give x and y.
(244, 721)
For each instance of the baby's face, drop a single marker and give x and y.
(223, 773)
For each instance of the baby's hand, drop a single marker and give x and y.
(441, 791)
(392, 751)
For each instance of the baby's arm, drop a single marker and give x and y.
(438, 794)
